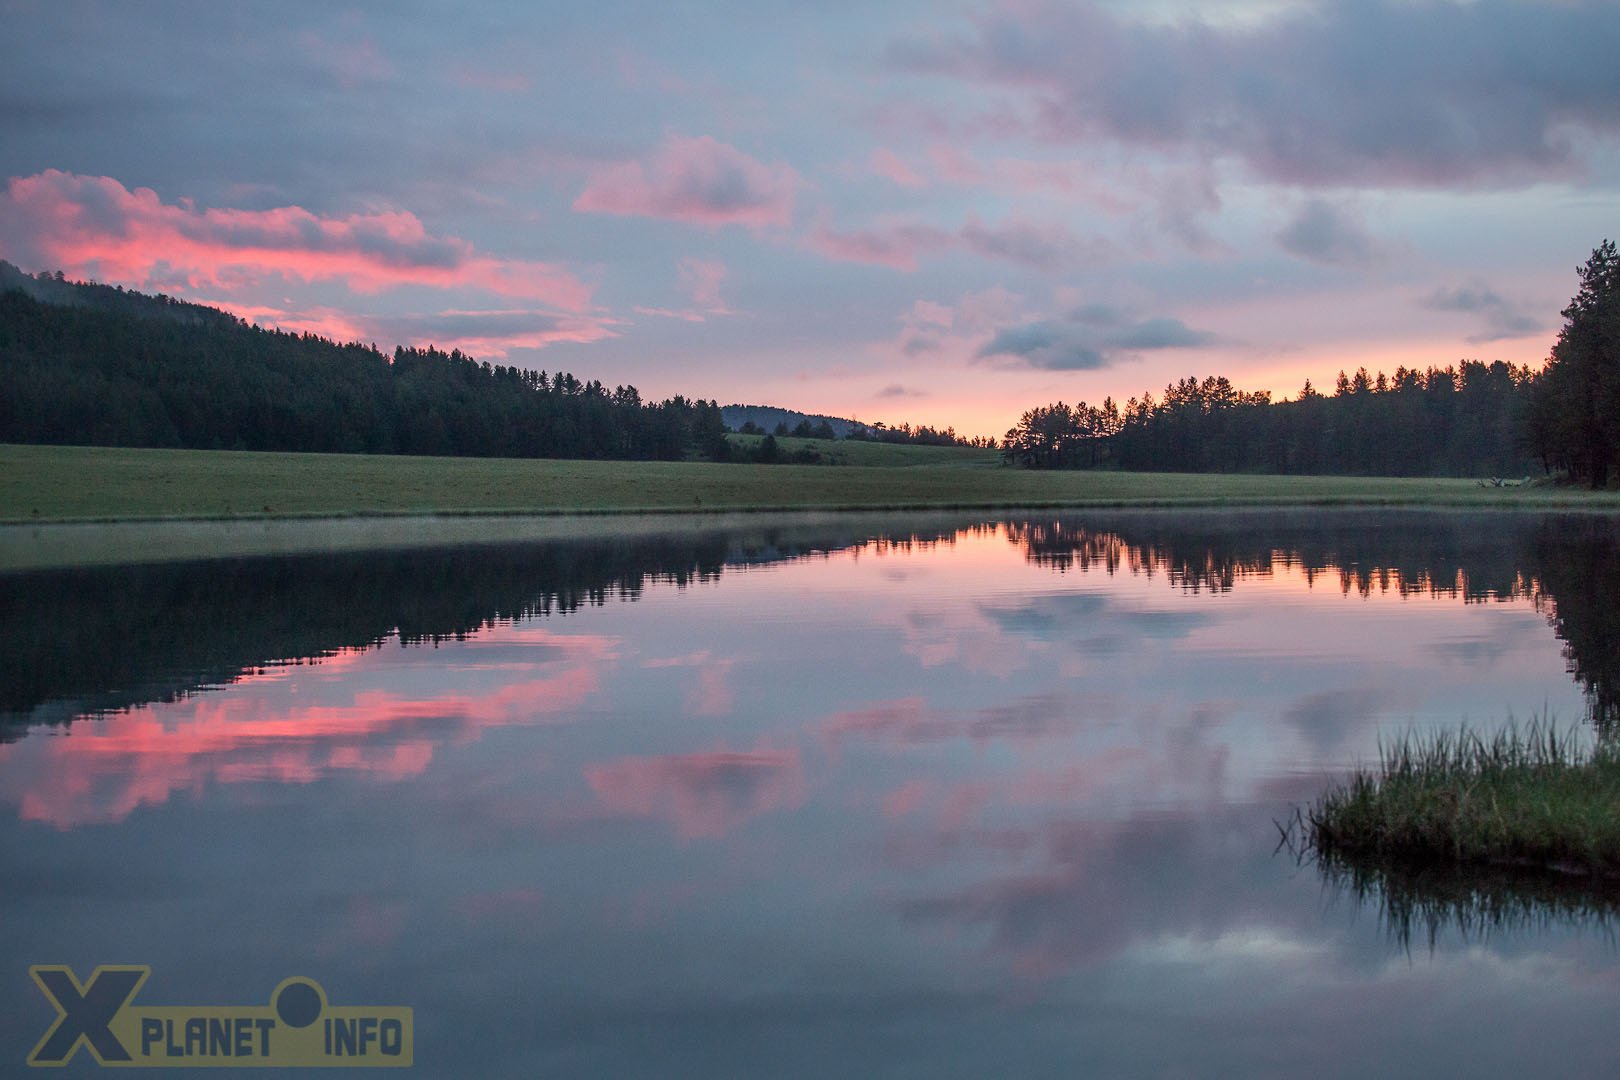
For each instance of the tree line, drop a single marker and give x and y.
(1473, 419)
(1462, 420)
(146, 371)
(86, 363)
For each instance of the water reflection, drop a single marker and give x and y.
(90, 642)
(1569, 565)
(1474, 557)
(1430, 903)
(297, 723)
(982, 796)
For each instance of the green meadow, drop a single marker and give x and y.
(66, 483)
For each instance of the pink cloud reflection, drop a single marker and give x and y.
(701, 795)
(103, 770)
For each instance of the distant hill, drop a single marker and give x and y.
(767, 417)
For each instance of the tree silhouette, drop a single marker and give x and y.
(1574, 421)
(90, 365)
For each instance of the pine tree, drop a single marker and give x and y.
(1574, 419)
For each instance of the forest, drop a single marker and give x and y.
(1473, 419)
(1453, 421)
(88, 364)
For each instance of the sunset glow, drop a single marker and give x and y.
(902, 213)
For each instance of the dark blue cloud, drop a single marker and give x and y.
(1160, 333)
(1324, 233)
(1046, 345)
(1500, 318)
(1094, 337)
(1366, 93)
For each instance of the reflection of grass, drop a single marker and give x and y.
(1529, 798)
(46, 483)
(1475, 902)
(1482, 836)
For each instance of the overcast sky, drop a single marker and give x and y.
(932, 212)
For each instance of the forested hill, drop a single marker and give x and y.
(769, 418)
(91, 365)
(56, 289)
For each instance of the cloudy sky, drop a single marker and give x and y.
(938, 212)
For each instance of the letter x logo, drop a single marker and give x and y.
(85, 1012)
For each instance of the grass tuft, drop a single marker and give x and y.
(1537, 798)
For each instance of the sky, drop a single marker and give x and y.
(933, 212)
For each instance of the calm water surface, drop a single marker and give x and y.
(942, 796)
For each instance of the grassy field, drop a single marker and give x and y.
(1533, 798)
(53, 483)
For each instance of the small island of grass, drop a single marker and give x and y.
(1535, 798)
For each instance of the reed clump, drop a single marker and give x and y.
(1533, 797)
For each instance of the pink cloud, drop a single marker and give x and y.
(700, 181)
(701, 280)
(956, 166)
(906, 799)
(690, 315)
(1025, 176)
(703, 277)
(93, 226)
(1039, 246)
(351, 63)
(701, 795)
(488, 335)
(895, 246)
(887, 164)
(903, 721)
(322, 321)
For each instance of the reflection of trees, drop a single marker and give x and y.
(1194, 563)
(91, 641)
(1577, 562)
(1361, 551)
(1568, 564)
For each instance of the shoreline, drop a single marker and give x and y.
(68, 544)
(64, 505)
(1541, 499)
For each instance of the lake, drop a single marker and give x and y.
(932, 795)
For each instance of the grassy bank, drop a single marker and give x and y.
(1533, 798)
(67, 483)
